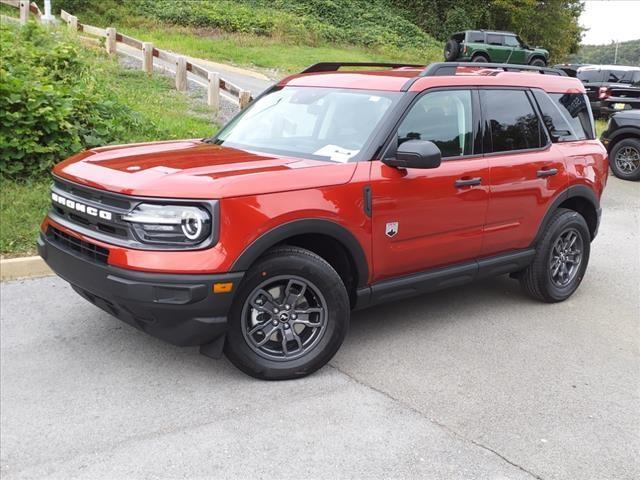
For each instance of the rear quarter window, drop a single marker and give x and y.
(575, 109)
(475, 37)
(561, 124)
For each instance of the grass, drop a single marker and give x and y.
(269, 53)
(22, 208)
(172, 115)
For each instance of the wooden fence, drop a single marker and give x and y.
(214, 82)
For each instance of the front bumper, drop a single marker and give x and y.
(180, 309)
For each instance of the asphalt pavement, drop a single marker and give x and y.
(473, 382)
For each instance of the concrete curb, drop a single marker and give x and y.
(23, 267)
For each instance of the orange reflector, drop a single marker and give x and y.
(222, 287)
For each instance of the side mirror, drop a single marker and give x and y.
(416, 154)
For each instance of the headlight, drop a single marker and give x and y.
(170, 224)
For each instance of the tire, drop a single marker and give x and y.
(538, 62)
(451, 50)
(261, 314)
(480, 59)
(625, 159)
(538, 280)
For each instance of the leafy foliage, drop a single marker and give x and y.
(52, 102)
(371, 23)
(628, 54)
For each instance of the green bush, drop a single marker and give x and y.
(52, 102)
(371, 23)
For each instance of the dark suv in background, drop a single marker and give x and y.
(493, 46)
(611, 88)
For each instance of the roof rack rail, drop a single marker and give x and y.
(449, 68)
(335, 66)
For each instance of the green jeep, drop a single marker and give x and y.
(493, 46)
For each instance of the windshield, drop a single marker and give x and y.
(318, 123)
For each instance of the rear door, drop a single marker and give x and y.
(526, 170)
(426, 218)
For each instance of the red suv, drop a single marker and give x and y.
(334, 190)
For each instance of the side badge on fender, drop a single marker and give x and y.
(392, 229)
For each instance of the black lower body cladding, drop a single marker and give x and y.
(180, 309)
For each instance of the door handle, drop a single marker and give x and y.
(547, 172)
(468, 182)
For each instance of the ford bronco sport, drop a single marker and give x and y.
(493, 46)
(334, 190)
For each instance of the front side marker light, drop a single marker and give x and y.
(222, 287)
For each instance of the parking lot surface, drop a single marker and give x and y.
(474, 382)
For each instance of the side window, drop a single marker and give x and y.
(493, 39)
(444, 118)
(510, 41)
(513, 123)
(475, 37)
(575, 108)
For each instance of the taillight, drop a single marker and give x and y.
(604, 93)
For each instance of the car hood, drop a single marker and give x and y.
(195, 169)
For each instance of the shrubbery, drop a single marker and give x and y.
(373, 23)
(52, 102)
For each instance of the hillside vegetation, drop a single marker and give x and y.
(400, 30)
(628, 54)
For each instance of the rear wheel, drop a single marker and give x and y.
(625, 159)
(538, 62)
(561, 258)
(480, 58)
(290, 316)
(451, 50)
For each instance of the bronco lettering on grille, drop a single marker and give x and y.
(80, 207)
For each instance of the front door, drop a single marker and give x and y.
(517, 54)
(498, 51)
(427, 218)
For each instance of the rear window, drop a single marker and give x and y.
(513, 123)
(475, 37)
(590, 75)
(493, 39)
(566, 116)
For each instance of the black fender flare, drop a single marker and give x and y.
(574, 191)
(306, 226)
(481, 51)
(615, 136)
(532, 55)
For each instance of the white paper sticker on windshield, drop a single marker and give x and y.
(374, 98)
(336, 153)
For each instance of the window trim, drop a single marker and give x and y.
(486, 128)
(390, 145)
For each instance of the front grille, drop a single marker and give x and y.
(75, 245)
(113, 228)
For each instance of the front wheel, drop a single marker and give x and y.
(538, 62)
(625, 159)
(290, 316)
(561, 258)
